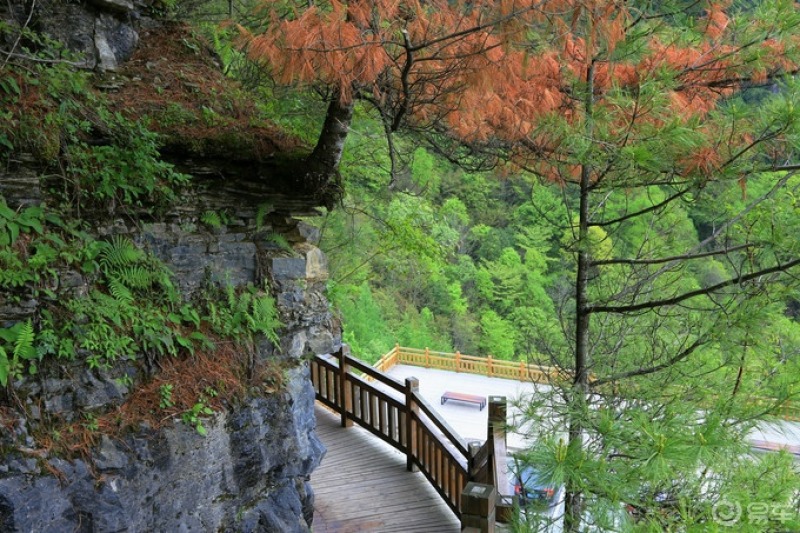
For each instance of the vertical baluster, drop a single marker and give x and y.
(343, 398)
(402, 427)
(375, 408)
(393, 433)
(412, 387)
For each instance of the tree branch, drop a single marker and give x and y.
(691, 294)
(642, 212)
(653, 369)
(11, 53)
(684, 257)
(717, 232)
(473, 29)
(398, 117)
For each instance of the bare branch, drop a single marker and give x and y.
(691, 294)
(684, 257)
(652, 369)
(655, 207)
(398, 117)
(711, 238)
(11, 53)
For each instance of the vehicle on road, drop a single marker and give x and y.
(530, 486)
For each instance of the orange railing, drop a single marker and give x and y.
(519, 370)
(470, 364)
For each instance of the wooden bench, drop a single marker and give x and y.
(461, 397)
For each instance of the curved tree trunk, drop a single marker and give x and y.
(328, 152)
(322, 165)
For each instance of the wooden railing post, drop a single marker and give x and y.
(489, 366)
(345, 396)
(478, 508)
(498, 412)
(474, 447)
(458, 361)
(412, 387)
(427, 358)
(498, 409)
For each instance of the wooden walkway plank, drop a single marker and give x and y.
(362, 486)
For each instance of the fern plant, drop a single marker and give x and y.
(262, 212)
(118, 253)
(214, 220)
(263, 317)
(19, 341)
(279, 241)
(128, 270)
(244, 314)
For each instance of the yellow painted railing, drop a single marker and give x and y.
(519, 370)
(470, 364)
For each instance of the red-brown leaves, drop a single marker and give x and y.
(704, 161)
(494, 69)
(716, 19)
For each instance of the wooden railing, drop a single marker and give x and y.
(396, 413)
(518, 370)
(470, 364)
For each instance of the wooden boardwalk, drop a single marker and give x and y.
(362, 485)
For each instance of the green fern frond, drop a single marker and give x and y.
(279, 241)
(263, 210)
(119, 291)
(23, 345)
(211, 219)
(230, 292)
(136, 277)
(118, 253)
(265, 317)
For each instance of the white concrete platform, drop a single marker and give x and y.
(470, 423)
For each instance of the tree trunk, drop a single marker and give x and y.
(319, 175)
(327, 154)
(577, 400)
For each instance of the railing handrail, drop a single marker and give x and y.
(406, 420)
(396, 356)
(787, 411)
(442, 425)
(375, 374)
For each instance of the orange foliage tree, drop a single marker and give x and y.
(606, 97)
(490, 73)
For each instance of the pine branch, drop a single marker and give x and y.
(711, 238)
(782, 168)
(652, 369)
(468, 31)
(658, 261)
(736, 81)
(655, 207)
(643, 306)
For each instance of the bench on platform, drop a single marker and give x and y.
(461, 397)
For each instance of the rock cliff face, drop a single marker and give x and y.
(250, 472)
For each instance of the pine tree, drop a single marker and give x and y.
(633, 108)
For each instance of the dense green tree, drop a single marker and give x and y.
(498, 336)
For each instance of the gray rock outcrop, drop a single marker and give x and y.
(251, 470)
